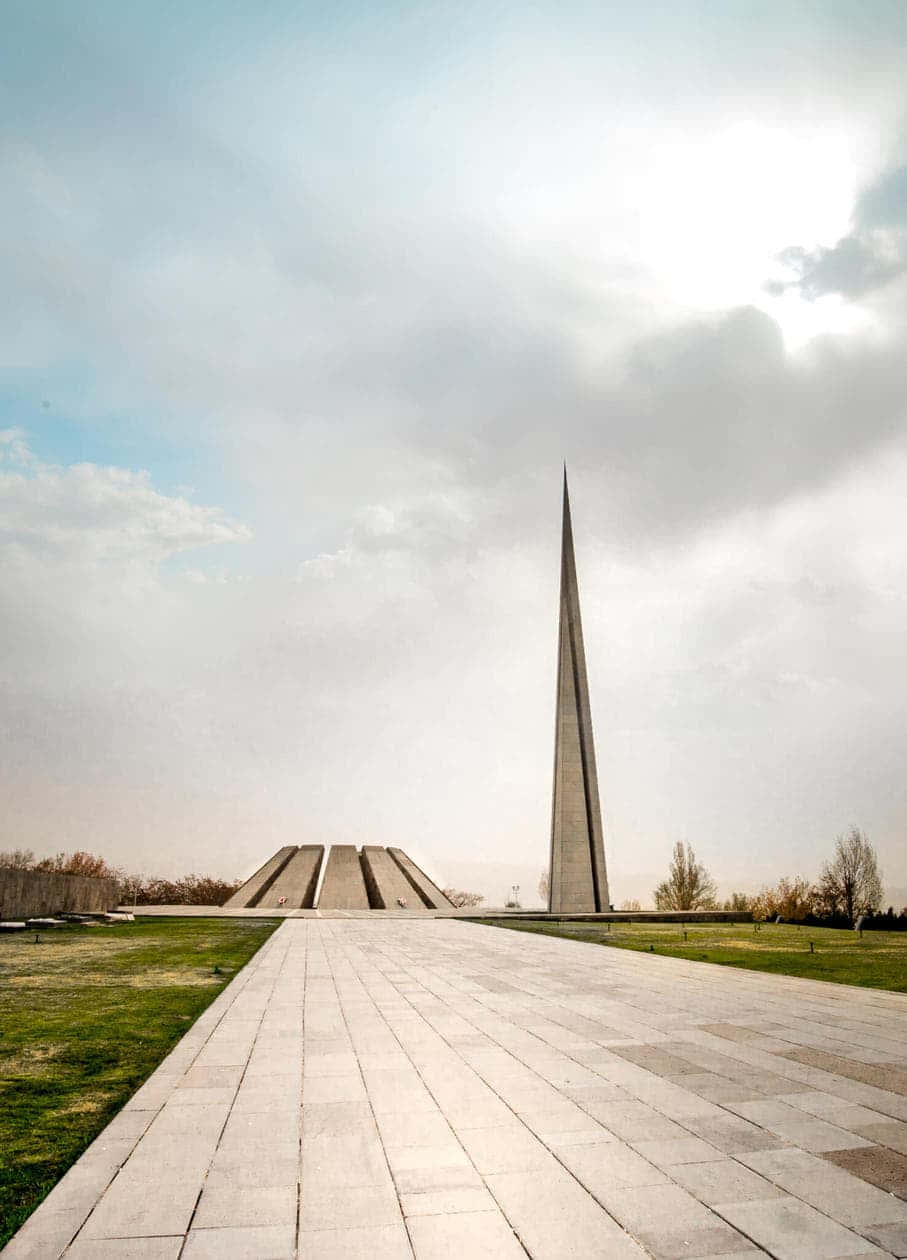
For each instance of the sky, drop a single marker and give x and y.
(304, 307)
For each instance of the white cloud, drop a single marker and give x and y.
(85, 513)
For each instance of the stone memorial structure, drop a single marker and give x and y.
(373, 879)
(578, 877)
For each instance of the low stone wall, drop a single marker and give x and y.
(620, 916)
(28, 894)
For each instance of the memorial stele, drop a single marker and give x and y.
(578, 878)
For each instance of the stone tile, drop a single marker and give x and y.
(610, 1166)
(890, 1133)
(555, 1216)
(724, 1181)
(78, 1190)
(656, 1209)
(636, 1122)
(476, 1235)
(43, 1236)
(384, 1242)
(791, 1230)
(125, 1248)
(421, 1128)
(876, 1164)
(715, 1088)
(733, 1134)
(350, 1208)
(211, 1078)
(689, 1150)
(796, 1127)
(229, 1206)
(505, 1150)
(471, 1113)
(435, 1202)
(354, 1158)
(891, 1237)
(233, 1166)
(845, 1198)
(261, 1242)
(715, 1241)
(127, 1210)
(330, 1089)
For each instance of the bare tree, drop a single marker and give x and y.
(630, 904)
(852, 882)
(17, 859)
(544, 886)
(689, 886)
(463, 900)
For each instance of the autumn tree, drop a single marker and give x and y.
(689, 886)
(792, 899)
(79, 863)
(851, 881)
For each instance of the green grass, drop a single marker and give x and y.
(878, 960)
(85, 1016)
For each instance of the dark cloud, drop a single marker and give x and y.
(869, 257)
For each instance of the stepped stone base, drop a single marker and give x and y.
(373, 879)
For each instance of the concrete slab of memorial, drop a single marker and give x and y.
(379, 1087)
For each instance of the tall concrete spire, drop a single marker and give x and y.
(578, 878)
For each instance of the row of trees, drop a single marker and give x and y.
(849, 885)
(191, 890)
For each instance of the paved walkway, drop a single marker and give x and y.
(383, 1089)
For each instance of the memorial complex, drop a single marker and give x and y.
(410, 1087)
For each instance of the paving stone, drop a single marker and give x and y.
(505, 1150)
(353, 1158)
(554, 1215)
(890, 1133)
(384, 1242)
(262, 1242)
(228, 1206)
(661, 1208)
(713, 1241)
(876, 1164)
(349, 1208)
(435, 1202)
(891, 1237)
(127, 1210)
(847, 1198)
(610, 1166)
(126, 1249)
(689, 1150)
(330, 1089)
(421, 1128)
(724, 1181)
(44, 1235)
(477, 1235)
(791, 1230)
(796, 1127)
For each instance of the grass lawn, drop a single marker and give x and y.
(877, 961)
(85, 1016)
